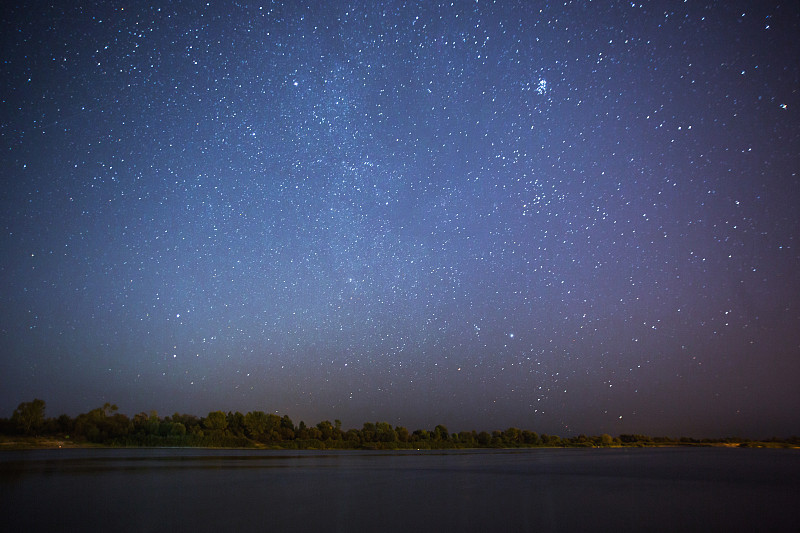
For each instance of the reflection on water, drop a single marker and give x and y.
(530, 490)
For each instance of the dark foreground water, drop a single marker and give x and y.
(681, 489)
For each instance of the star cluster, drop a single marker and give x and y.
(573, 216)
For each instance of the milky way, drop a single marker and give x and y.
(562, 216)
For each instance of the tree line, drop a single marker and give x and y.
(257, 429)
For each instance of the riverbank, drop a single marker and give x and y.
(51, 443)
(41, 443)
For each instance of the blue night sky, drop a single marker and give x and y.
(570, 217)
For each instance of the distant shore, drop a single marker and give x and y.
(50, 443)
(105, 427)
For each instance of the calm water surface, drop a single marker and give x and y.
(196, 490)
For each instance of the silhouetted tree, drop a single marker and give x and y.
(64, 424)
(302, 430)
(512, 436)
(216, 421)
(236, 424)
(28, 417)
(326, 430)
(287, 428)
(402, 434)
(109, 409)
(368, 433)
(352, 436)
(440, 433)
(177, 430)
(190, 422)
(530, 438)
(256, 424)
(384, 432)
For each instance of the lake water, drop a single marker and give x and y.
(653, 489)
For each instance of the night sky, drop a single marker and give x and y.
(570, 217)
